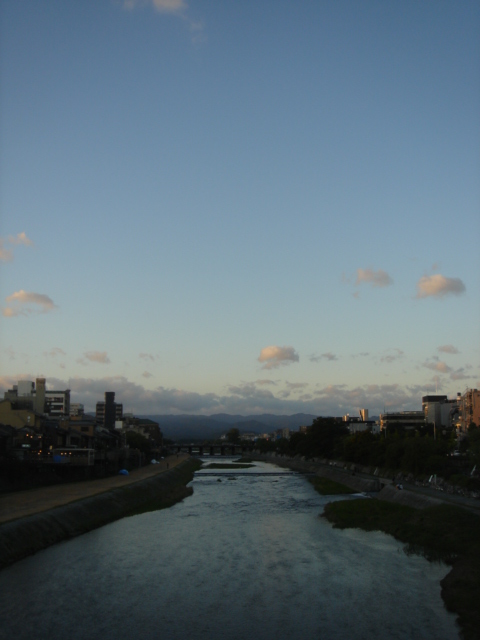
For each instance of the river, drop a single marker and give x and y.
(247, 556)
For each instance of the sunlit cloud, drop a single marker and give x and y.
(274, 356)
(177, 8)
(378, 278)
(25, 303)
(437, 365)
(6, 254)
(448, 348)
(99, 357)
(20, 238)
(438, 286)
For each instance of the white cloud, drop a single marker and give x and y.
(438, 286)
(391, 357)
(274, 356)
(20, 238)
(54, 352)
(378, 278)
(459, 375)
(97, 356)
(162, 6)
(439, 366)
(324, 356)
(448, 348)
(296, 385)
(25, 303)
(147, 356)
(6, 255)
(177, 8)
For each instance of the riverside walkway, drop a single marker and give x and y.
(19, 504)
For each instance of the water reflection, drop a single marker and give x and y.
(238, 559)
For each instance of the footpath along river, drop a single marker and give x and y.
(247, 556)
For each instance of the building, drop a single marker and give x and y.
(77, 409)
(440, 411)
(469, 409)
(108, 412)
(404, 419)
(36, 397)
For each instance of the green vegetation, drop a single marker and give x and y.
(137, 441)
(421, 452)
(329, 487)
(233, 435)
(444, 532)
(221, 465)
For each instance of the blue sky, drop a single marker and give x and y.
(241, 206)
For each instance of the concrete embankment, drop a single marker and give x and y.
(24, 536)
(391, 494)
(338, 474)
(345, 475)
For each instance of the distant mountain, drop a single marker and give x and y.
(188, 427)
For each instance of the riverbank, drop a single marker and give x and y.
(69, 511)
(428, 526)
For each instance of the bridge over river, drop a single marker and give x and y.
(223, 449)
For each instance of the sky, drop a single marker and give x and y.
(242, 207)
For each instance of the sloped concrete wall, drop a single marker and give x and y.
(344, 476)
(407, 498)
(25, 536)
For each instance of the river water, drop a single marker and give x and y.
(247, 556)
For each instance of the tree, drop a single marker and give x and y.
(137, 441)
(233, 435)
(324, 437)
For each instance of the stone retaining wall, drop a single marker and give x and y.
(25, 536)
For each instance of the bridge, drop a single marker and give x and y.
(223, 449)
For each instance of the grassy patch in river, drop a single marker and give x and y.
(328, 487)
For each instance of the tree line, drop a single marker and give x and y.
(420, 452)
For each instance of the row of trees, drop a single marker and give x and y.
(417, 452)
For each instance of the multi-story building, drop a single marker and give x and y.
(469, 409)
(108, 412)
(35, 396)
(77, 409)
(405, 419)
